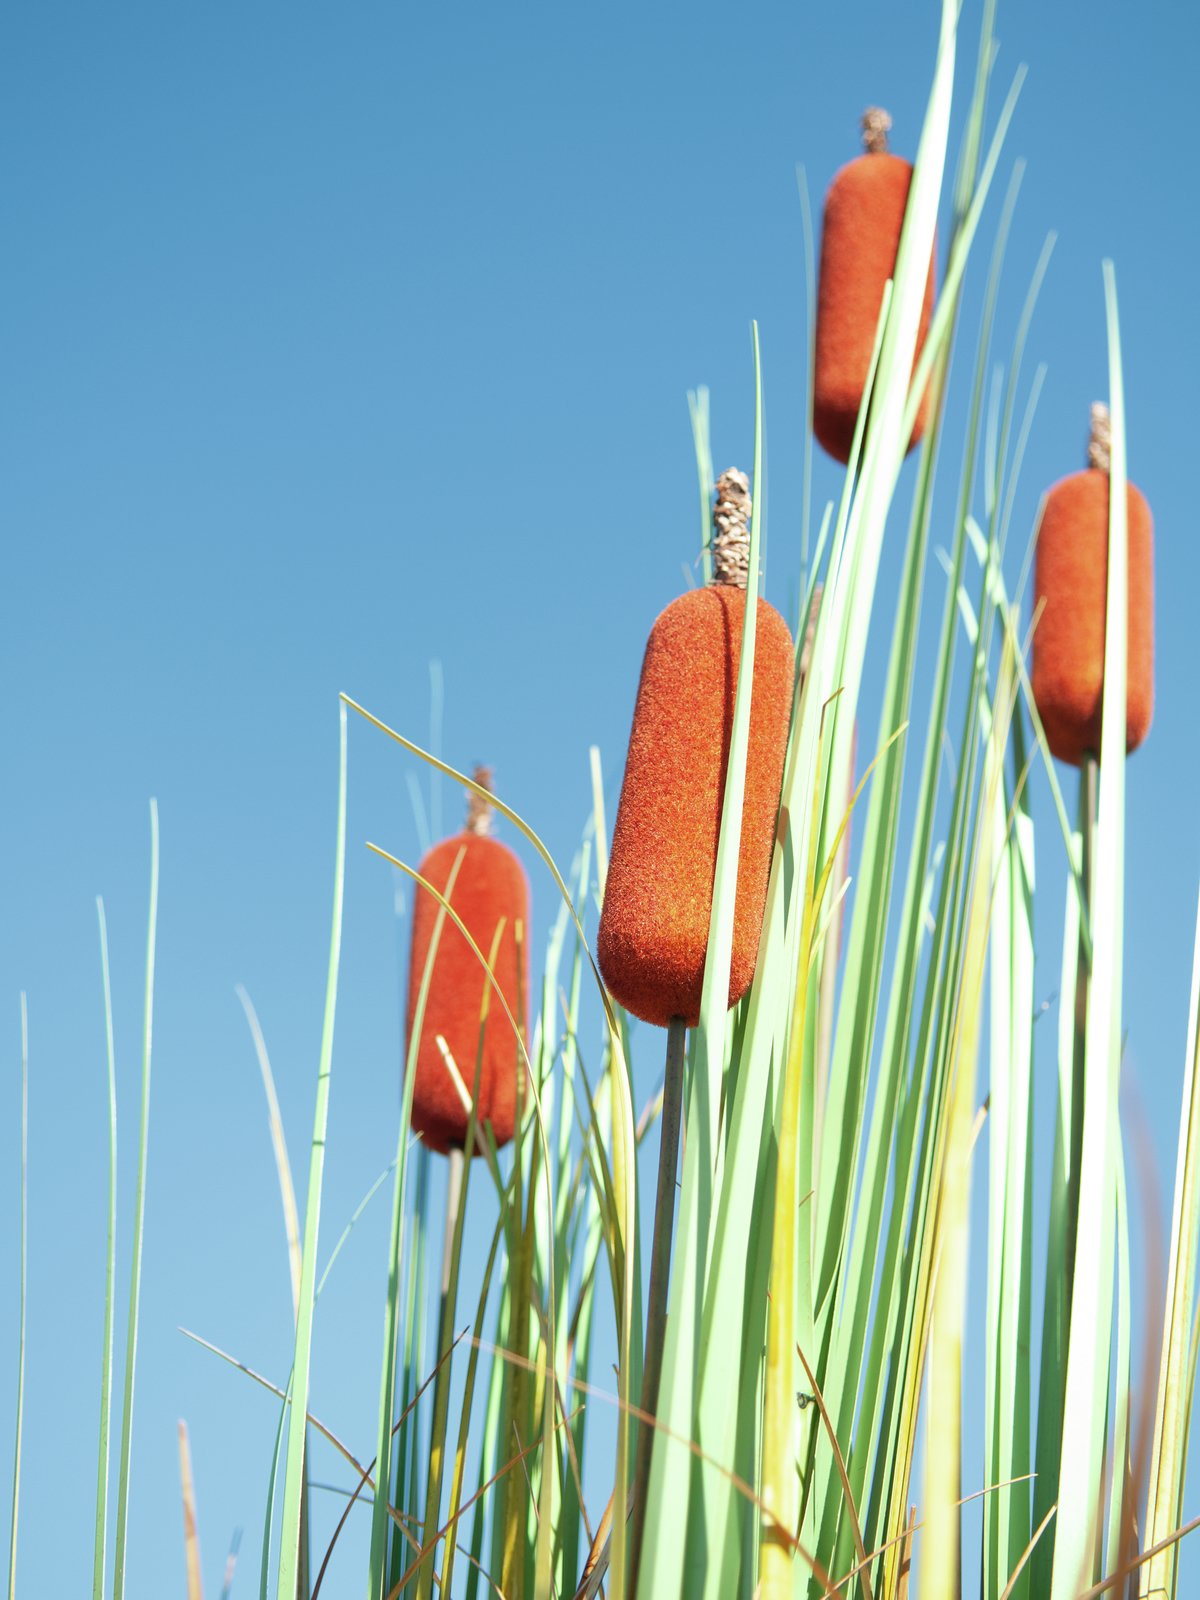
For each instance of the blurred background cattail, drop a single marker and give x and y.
(491, 895)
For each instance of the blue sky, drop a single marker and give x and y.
(338, 341)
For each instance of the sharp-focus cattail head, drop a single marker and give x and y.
(491, 895)
(1071, 589)
(864, 213)
(653, 936)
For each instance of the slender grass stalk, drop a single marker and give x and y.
(387, 1393)
(294, 1474)
(264, 1575)
(19, 1427)
(780, 1490)
(810, 306)
(1121, 1509)
(460, 1459)
(682, 1377)
(1084, 1402)
(283, 1166)
(942, 1575)
(451, 1251)
(139, 1224)
(99, 1560)
(406, 1466)
(291, 1222)
(660, 1267)
(235, 1545)
(698, 411)
(1177, 1362)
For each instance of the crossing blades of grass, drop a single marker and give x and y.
(1172, 1412)
(293, 1483)
(1084, 1402)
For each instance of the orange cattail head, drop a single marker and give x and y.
(490, 889)
(653, 935)
(864, 213)
(1071, 586)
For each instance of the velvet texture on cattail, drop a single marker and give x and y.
(864, 214)
(653, 935)
(1071, 587)
(491, 887)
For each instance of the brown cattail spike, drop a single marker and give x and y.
(875, 125)
(1099, 453)
(731, 529)
(653, 935)
(1071, 602)
(864, 217)
(479, 808)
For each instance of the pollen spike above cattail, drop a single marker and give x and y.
(864, 215)
(653, 936)
(489, 893)
(1071, 591)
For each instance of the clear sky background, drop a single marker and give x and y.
(336, 341)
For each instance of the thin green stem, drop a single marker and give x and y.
(139, 1225)
(16, 1488)
(1087, 829)
(99, 1559)
(660, 1271)
(293, 1483)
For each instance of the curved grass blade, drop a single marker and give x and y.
(1173, 1406)
(16, 1488)
(293, 1483)
(387, 1382)
(291, 1223)
(699, 413)
(283, 1166)
(264, 1578)
(99, 1558)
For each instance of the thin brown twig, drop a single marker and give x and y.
(1027, 1553)
(365, 1478)
(737, 1483)
(855, 1524)
(394, 1593)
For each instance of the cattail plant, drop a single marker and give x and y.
(491, 895)
(1070, 585)
(864, 213)
(654, 926)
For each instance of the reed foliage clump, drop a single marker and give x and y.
(778, 1335)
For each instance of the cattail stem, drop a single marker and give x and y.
(441, 1392)
(660, 1266)
(1088, 789)
(454, 1180)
